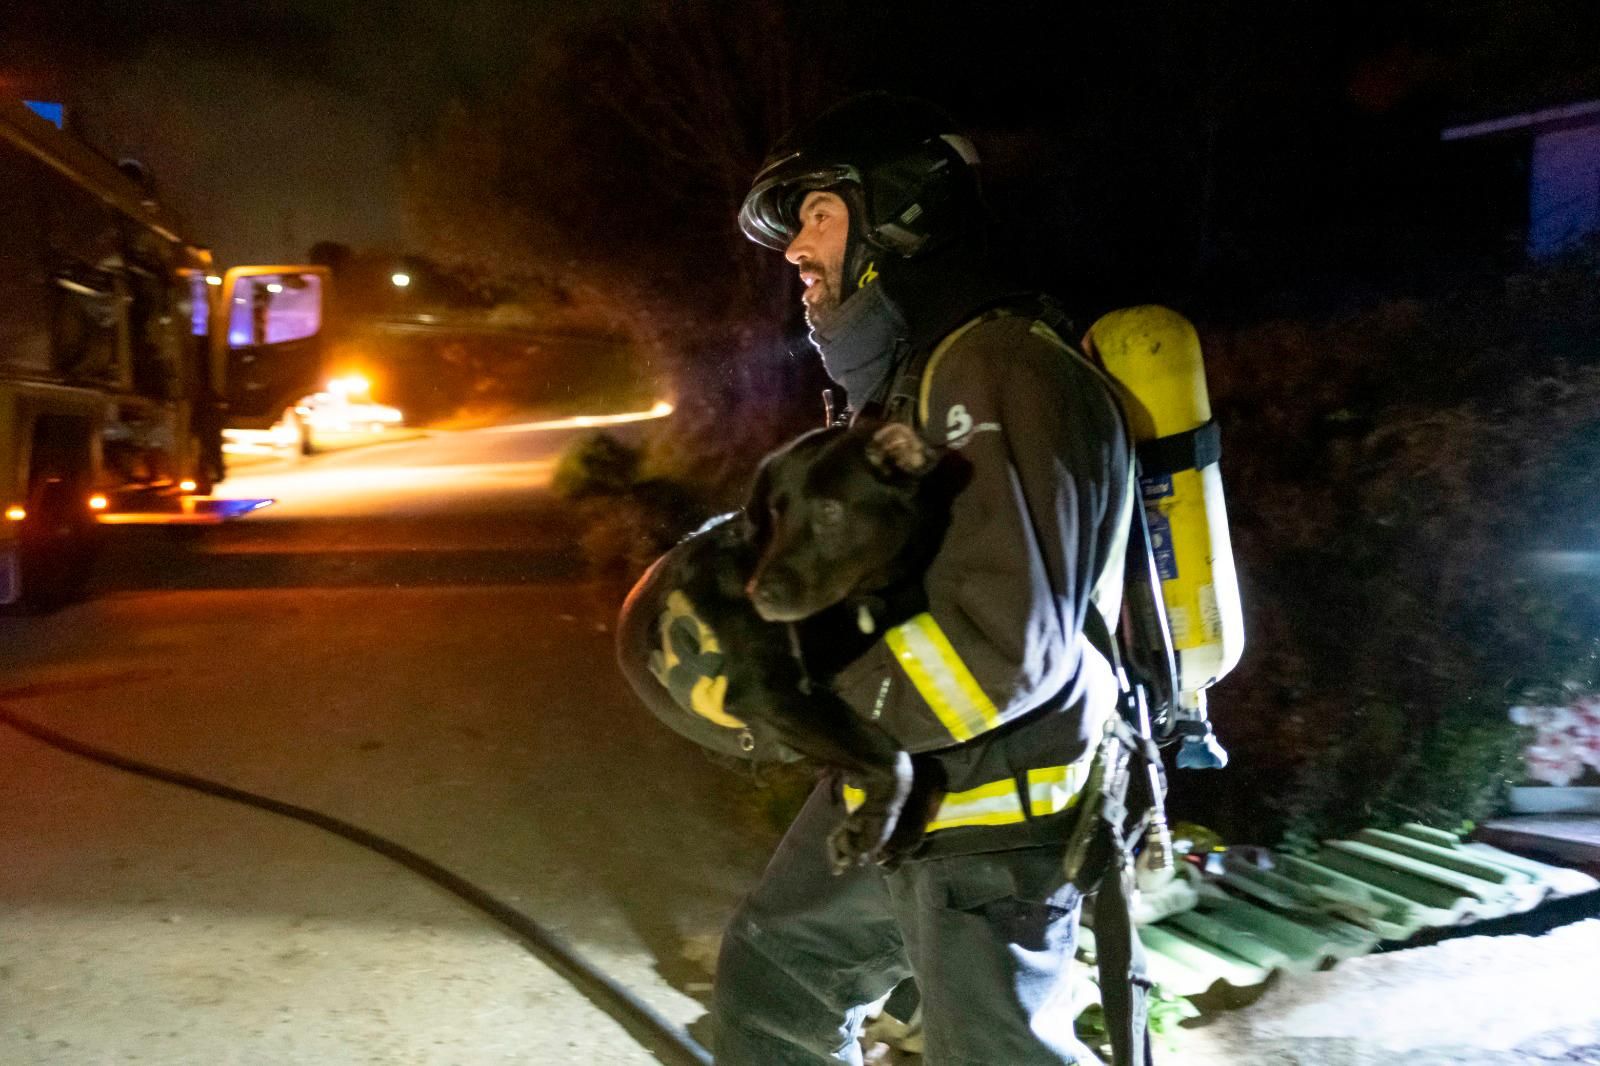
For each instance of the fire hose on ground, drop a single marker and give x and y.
(668, 1042)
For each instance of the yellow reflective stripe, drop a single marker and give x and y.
(1053, 789)
(925, 654)
(853, 798)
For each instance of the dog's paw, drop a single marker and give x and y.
(868, 833)
(860, 841)
(905, 836)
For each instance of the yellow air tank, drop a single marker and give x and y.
(1153, 353)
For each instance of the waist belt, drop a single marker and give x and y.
(1009, 801)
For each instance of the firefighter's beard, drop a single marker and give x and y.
(821, 297)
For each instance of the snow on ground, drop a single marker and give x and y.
(1489, 1000)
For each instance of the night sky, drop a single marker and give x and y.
(268, 126)
(1248, 135)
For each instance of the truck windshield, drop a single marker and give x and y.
(273, 309)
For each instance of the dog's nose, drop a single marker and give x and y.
(769, 593)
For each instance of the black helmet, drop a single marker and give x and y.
(909, 178)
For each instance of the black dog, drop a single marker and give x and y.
(827, 553)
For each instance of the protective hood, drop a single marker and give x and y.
(908, 306)
(938, 292)
(860, 343)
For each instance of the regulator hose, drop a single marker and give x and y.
(669, 1042)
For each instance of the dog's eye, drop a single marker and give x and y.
(829, 513)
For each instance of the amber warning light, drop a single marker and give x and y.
(191, 511)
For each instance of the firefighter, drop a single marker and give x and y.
(994, 679)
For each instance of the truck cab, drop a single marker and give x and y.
(122, 352)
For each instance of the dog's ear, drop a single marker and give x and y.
(757, 516)
(898, 450)
(776, 469)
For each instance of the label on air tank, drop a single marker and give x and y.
(1154, 490)
(1210, 615)
(1178, 622)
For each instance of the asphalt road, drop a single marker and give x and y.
(407, 640)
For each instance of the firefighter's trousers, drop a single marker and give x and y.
(989, 938)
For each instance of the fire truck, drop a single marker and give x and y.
(123, 351)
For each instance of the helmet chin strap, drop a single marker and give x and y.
(859, 269)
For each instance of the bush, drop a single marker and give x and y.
(595, 465)
(1401, 486)
(628, 520)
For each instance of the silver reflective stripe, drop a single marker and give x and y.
(996, 803)
(1053, 789)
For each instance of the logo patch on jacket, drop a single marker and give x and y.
(959, 427)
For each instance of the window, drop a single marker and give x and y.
(85, 263)
(25, 290)
(274, 309)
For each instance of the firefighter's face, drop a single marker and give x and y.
(818, 250)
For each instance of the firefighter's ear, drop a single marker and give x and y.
(896, 449)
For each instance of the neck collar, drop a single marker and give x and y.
(861, 342)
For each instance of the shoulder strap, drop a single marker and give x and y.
(908, 393)
(902, 403)
(1050, 320)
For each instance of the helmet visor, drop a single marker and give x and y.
(770, 214)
